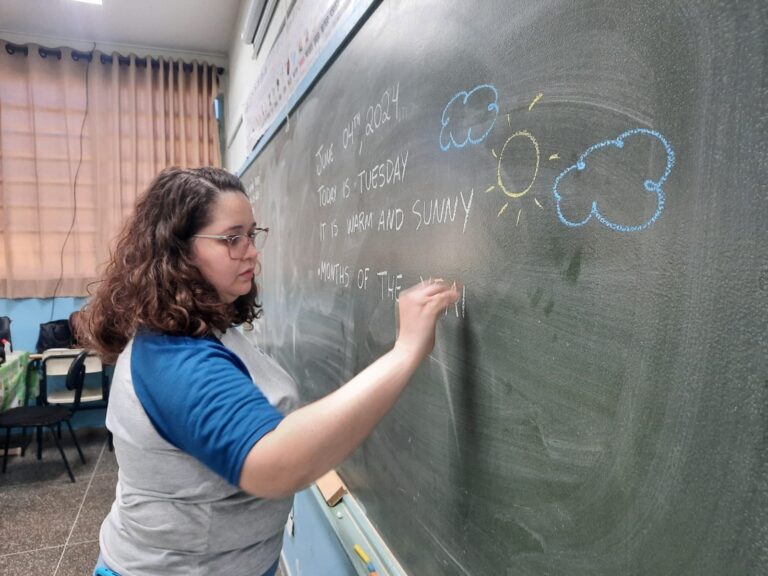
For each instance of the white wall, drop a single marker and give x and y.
(109, 47)
(244, 68)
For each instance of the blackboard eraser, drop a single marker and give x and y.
(331, 487)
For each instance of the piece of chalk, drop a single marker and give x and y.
(363, 555)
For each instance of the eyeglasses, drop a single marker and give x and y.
(238, 243)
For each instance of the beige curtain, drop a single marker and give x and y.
(135, 119)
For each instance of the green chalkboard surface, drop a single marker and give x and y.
(594, 174)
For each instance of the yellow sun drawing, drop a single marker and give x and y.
(523, 136)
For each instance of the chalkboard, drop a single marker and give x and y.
(594, 174)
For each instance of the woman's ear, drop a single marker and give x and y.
(192, 251)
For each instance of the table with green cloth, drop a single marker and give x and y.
(18, 381)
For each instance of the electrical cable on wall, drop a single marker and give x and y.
(74, 185)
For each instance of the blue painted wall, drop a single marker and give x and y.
(28, 313)
(313, 549)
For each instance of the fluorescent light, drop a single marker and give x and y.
(97, 2)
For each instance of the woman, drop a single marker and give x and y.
(208, 440)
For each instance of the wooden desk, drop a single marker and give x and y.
(17, 382)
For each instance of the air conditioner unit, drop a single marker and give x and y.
(252, 20)
(257, 22)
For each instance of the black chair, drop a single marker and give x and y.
(39, 417)
(5, 330)
(56, 362)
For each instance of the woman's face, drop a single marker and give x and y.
(231, 214)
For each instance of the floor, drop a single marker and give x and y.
(49, 526)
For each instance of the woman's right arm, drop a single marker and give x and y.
(316, 438)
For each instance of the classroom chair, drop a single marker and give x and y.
(48, 416)
(56, 362)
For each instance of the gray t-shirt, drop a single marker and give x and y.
(172, 514)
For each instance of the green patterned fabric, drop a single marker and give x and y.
(17, 382)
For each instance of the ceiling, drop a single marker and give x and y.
(204, 27)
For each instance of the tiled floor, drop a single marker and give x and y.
(49, 526)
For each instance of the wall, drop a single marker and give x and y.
(244, 66)
(309, 544)
(109, 47)
(28, 313)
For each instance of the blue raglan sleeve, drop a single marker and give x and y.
(200, 398)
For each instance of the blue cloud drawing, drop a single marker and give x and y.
(654, 187)
(464, 136)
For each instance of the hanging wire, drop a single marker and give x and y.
(74, 184)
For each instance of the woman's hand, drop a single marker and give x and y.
(420, 306)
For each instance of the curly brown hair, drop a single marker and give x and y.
(150, 282)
